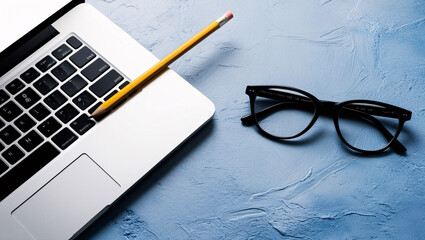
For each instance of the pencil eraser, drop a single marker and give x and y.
(229, 15)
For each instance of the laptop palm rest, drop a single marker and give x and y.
(68, 201)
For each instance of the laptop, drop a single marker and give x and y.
(59, 169)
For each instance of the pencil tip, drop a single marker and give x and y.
(99, 111)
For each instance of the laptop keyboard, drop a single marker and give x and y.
(46, 108)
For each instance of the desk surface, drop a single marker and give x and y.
(228, 181)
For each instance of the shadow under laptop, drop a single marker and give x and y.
(148, 181)
(209, 61)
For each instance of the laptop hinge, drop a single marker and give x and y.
(26, 49)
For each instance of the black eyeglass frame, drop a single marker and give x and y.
(331, 109)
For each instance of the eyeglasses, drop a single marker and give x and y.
(281, 112)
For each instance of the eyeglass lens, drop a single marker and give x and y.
(363, 126)
(283, 113)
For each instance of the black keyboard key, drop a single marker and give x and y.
(39, 112)
(45, 64)
(95, 69)
(110, 95)
(74, 85)
(45, 84)
(2, 124)
(63, 71)
(92, 109)
(55, 100)
(1, 147)
(30, 75)
(67, 113)
(123, 85)
(74, 42)
(13, 154)
(84, 100)
(24, 123)
(15, 86)
(82, 57)
(10, 111)
(64, 138)
(82, 124)
(48, 127)
(3, 167)
(26, 168)
(27, 98)
(30, 141)
(9, 134)
(3, 96)
(106, 83)
(61, 52)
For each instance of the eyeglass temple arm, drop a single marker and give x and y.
(276, 95)
(366, 111)
(395, 145)
(249, 120)
(328, 106)
(327, 109)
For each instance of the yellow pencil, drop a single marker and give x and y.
(161, 65)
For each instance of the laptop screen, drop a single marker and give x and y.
(19, 17)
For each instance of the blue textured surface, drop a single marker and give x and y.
(228, 181)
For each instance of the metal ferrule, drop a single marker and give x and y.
(222, 20)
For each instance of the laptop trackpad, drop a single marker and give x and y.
(68, 201)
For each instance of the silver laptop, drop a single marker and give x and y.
(59, 170)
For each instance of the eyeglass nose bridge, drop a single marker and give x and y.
(328, 108)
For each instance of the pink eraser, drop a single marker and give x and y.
(229, 15)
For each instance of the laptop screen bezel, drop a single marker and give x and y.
(8, 53)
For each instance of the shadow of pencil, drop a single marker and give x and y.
(204, 64)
